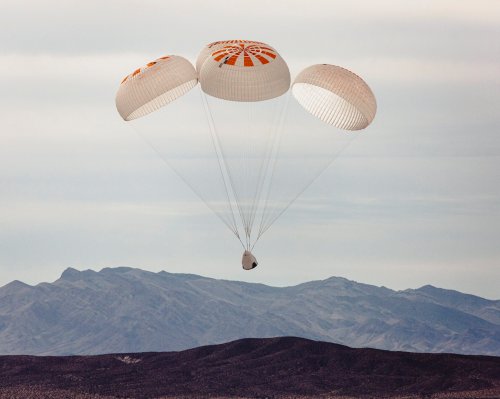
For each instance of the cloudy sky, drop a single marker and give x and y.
(414, 200)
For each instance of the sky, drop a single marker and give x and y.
(414, 200)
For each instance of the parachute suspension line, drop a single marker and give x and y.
(271, 220)
(220, 162)
(264, 165)
(165, 160)
(257, 162)
(277, 134)
(252, 162)
(272, 149)
(246, 167)
(223, 165)
(250, 166)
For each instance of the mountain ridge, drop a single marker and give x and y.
(128, 309)
(70, 270)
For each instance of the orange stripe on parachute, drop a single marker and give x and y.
(272, 55)
(219, 57)
(247, 61)
(149, 64)
(227, 50)
(232, 60)
(219, 52)
(231, 54)
(261, 59)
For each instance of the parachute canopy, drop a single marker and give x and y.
(242, 70)
(336, 96)
(151, 87)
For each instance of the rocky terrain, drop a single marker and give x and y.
(283, 367)
(131, 310)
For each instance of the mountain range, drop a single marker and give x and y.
(119, 310)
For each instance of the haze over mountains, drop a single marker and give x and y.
(131, 310)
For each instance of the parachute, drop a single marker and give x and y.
(245, 72)
(155, 85)
(261, 144)
(336, 96)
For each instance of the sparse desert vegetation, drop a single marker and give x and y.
(278, 368)
(34, 392)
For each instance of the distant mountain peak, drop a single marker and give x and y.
(120, 269)
(14, 286)
(429, 287)
(70, 274)
(436, 291)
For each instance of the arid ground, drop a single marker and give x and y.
(253, 368)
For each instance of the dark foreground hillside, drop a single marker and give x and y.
(257, 368)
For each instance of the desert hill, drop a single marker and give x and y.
(256, 368)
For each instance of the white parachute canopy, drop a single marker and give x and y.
(336, 96)
(155, 85)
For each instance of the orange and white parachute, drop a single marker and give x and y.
(243, 71)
